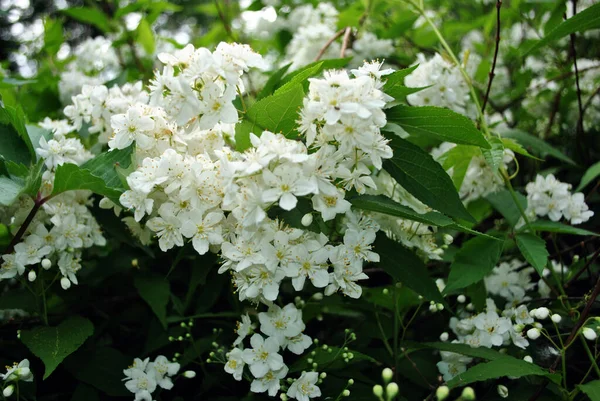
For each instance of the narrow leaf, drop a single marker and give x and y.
(533, 249)
(591, 173)
(155, 291)
(556, 227)
(536, 145)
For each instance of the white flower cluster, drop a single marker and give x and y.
(486, 329)
(95, 62)
(143, 377)
(284, 330)
(480, 179)
(62, 227)
(546, 196)
(510, 280)
(15, 373)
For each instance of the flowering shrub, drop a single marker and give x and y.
(361, 200)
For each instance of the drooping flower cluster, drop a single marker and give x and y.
(546, 196)
(143, 377)
(62, 227)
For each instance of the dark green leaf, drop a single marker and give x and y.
(416, 171)
(475, 259)
(53, 344)
(536, 145)
(591, 389)
(437, 123)
(155, 291)
(503, 202)
(90, 16)
(591, 173)
(556, 227)
(101, 367)
(15, 144)
(533, 249)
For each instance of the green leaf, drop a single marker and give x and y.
(9, 191)
(437, 123)
(15, 144)
(581, 22)
(536, 145)
(475, 259)
(53, 35)
(383, 204)
(416, 171)
(463, 349)
(394, 84)
(407, 268)
(145, 36)
(517, 148)
(459, 158)
(276, 113)
(501, 367)
(533, 249)
(53, 344)
(556, 227)
(591, 389)
(495, 155)
(591, 173)
(155, 291)
(503, 202)
(272, 82)
(36, 133)
(89, 15)
(301, 77)
(323, 65)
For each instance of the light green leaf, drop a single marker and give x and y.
(536, 145)
(9, 191)
(495, 155)
(407, 268)
(276, 113)
(155, 291)
(53, 35)
(423, 177)
(383, 204)
(329, 64)
(437, 123)
(501, 367)
(394, 84)
(15, 144)
(517, 148)
(503, 202)
(36, 133)
(53, 344)
(591, 389)
(272, 82)
(585, 20)
(145, 36)
(556, 227)
(533, 249)
(90, 16)
(301, 77)
(590, 174)
(475, 259)
(459, 158)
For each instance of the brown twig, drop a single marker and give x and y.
(345, 42)
(329, 42)
(38, 202)
(582, 318)
(580, 131)
(589, 101)
(492, 74)
(553, 112)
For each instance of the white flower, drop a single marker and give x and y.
(263, 356)
(330, 205)
(129, 127)
(305, 387)
(18, 372)
(244, 328)
(235, 363)
(311, 264)
(281, 323)
(285, 183)
(589, 334)
(163, 371)
(11, 266)
(270, 382)
(142, 384)
(167, 227)
(204, 231)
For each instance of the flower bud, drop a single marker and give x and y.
(46, 263)
(575, 258)
(323, 375)
(391, 390)
(442, 393)
(440, 307)
(307, 220)
(468, 394)
(387, 375)
(65, 283)
(444, 336)
(31, 276)
(350, 382)
(318, 296)
(470, 307)
(377, 390)
(283, 397)
(542, 313)
(346, 393)
(105, 203)
(589, 333)
(8, 391)
(461, 299)
(448, 239)
(502, 391)
(189, 374)
(556, 318)
(385, 291)
(528, 358)
(533, 334)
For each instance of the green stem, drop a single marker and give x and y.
(383, 337)
(513, 195)
(396, 333)
(590, 356)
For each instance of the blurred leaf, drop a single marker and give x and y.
(591, 389)
(89, 15)
(590, 174)
(533, 249)
(536, 145)
(145, 36)
(15, 144)
(556, 227)
(330, 359)
(53, 35)
(503, 202)
(53, 344)
(155, 291)
(459, 158)
(101, 367)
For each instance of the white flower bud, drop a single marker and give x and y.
(442, 393)
(556, 318)
(189, 374)
(350, 382)
(105, 203)
(448, 239)
(318, 296)
(391, 390)
(542, 313)
(432, 308)
(444, 336)
(307, 220)
(502, 391)
(461, 299)
(46, 263)
(283, 397)
(387, 374)
(346, 393)
(440, 307)
(31, 276)
(575, 258)
(528, 358)
(468, 394)
(65, 283)
(533, 334)
(470, 307)
(532, 312)
(8, 391)
(588, 333)
(323, 375)
(378, 390)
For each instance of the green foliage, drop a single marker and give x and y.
(155, 291)
(591, 389)
(533, 249)
(590, 174)
(537, 145)
(89, 15)
(53, 344)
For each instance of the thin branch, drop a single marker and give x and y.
(329, 42)
(224, 21)
(553, 112)
(589, 262)
(589, 101)
(346, 41)
(492, 74)
(38, 202)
